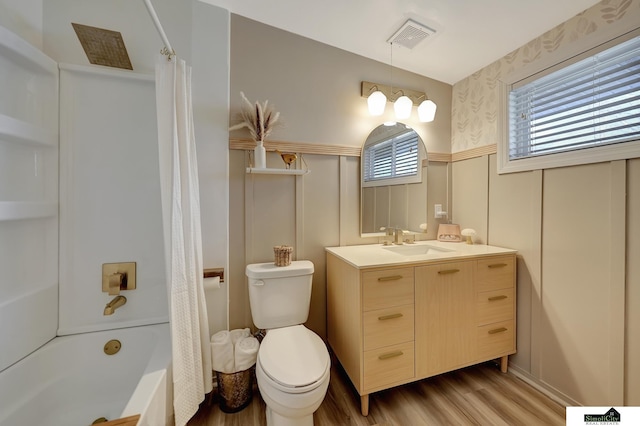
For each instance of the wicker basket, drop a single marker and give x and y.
(282, 255)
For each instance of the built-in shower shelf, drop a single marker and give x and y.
(22, 210)
(23, 55)
(18, 131)
(268, 171)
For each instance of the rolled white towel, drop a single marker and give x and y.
(239, 333)
(246, 353)
(222, 358)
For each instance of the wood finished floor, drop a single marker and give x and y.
(478, 395)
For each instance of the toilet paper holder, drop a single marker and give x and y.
(213, 272)
(212, 278)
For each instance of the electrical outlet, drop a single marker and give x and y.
(438, 213)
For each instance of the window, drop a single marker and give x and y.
(393, 158)
(592, 103)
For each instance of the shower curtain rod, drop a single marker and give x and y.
(168, 50)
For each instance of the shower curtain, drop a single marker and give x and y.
(192, 372)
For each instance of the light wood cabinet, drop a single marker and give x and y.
(393, 325)
(445, 305)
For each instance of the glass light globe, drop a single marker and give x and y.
(376, 102)
(427, 111)
(402, 106)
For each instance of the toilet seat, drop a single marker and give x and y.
(294, 358)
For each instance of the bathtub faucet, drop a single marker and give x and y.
(114, 304)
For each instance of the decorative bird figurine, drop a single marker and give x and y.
(287, 158)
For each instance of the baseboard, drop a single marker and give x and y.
(541, 386)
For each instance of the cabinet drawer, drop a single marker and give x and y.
(389, 326)
(386, 288)
(388, 365)
(494, 306)
(495, 273)
(496, 339)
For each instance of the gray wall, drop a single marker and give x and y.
(575, 228)
(317, 90)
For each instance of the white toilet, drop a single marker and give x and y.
(293, 362)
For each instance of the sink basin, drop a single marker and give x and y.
(417, 249)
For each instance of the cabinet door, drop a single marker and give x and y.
(445, 317)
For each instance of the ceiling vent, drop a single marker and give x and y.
(410, 34)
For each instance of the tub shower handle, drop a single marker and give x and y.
(116, 282)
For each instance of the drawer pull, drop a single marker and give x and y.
(390, 316)
(390, 355)
(497, 330)
(496, 265)
(391, 278)
(448, 271)
(494, 298)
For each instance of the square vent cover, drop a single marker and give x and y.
(410, 34)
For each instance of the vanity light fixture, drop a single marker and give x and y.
(403, 101)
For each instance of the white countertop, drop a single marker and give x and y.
(373, 255)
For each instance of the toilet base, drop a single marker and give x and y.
(275, 419)
(290, 409)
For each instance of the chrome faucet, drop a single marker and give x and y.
(114, 304)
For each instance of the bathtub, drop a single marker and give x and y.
(72, 381)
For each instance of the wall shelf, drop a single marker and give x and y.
(268, 171)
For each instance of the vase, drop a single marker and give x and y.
(260, 155)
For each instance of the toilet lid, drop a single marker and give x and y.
(293, 356)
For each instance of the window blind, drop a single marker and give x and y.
(396, 157)
(593, 102)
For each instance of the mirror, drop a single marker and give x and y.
(393, 180)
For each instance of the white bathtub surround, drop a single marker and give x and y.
(192, 370)
(28, 198)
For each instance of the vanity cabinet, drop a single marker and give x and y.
(394, 324)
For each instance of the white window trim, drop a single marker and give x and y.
(560, 159)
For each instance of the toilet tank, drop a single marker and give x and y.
(280, 295)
